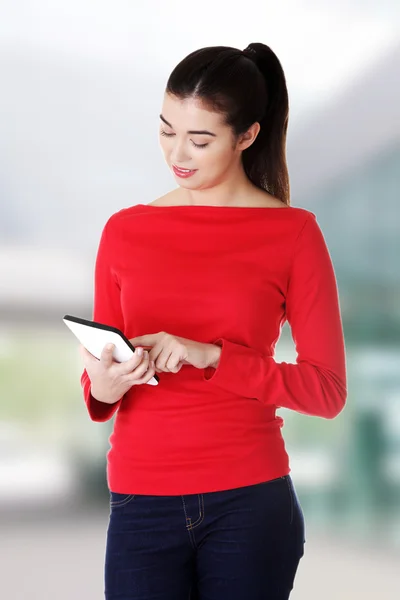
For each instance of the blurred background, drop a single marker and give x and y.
(81, 90)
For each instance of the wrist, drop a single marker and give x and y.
(97, 396)
(215, 355)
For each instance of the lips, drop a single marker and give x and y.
(183, 173)
(181, 170)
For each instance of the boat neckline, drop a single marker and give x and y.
(214, 206)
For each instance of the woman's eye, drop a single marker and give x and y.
(199, 145)
(165, 133)
(194, 144)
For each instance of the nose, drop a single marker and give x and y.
(179, 153)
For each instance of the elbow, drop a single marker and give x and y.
(334, 393)
(335, 407)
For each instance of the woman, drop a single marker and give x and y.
(202, 280)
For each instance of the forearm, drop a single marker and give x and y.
(312, 389)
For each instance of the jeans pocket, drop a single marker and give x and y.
(118, 499)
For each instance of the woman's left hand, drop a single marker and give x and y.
(170, 352)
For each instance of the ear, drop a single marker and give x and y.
(246, 139)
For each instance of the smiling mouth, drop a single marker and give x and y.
(183, 170)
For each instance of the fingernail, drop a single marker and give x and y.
(110, 346)
(140, 351)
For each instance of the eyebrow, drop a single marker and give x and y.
(202, 132)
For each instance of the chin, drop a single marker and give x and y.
(186, 183)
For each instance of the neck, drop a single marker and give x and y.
(230, 191)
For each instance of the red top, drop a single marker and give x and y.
(230, 276)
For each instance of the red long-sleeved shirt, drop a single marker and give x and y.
(230, 276)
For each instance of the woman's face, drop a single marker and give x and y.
(213, 156)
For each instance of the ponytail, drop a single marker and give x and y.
(265, 160)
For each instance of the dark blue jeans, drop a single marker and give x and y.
(241, 544)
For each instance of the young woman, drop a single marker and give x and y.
(202, 504)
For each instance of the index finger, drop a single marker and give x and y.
(146, 341)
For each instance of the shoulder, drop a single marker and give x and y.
(298, 227)
(307, 232)
(125, 217)
(300, 219)
(125, 214)
(302, 215)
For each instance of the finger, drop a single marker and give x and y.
(145, 378)
(140, 370)
(172, 363)
(144, 340)
(176, 369)
(129, 365)
(106, 357)
(155, 352)
(163, 358)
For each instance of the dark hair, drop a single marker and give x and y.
(245, 86)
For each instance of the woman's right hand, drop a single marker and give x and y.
(110, 380)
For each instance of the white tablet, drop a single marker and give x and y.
(94, 336)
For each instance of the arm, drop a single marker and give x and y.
(316, 384)
(107, 309)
